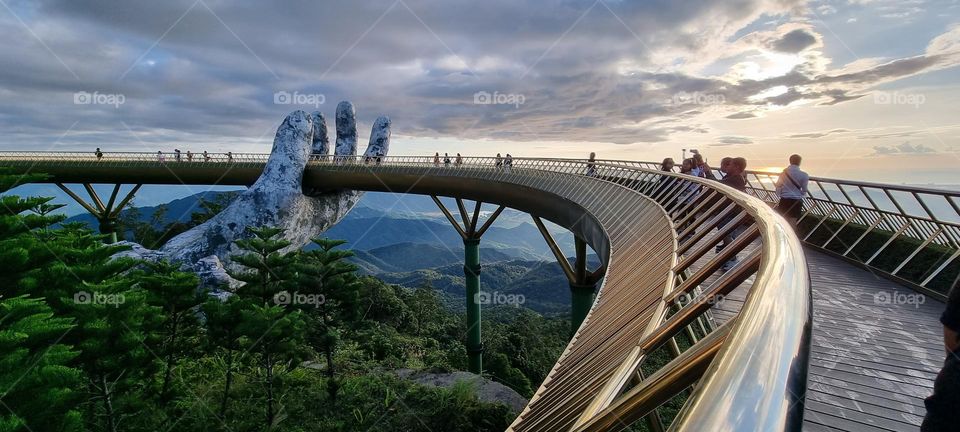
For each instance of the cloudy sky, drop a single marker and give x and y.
(862, 88)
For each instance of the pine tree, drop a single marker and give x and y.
(323, 273)
(222, 325)
(37, 385)
(114, 322)
(272, 330)
(176, 294)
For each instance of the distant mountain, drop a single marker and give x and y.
(404, 257)
(177, 210)
(542, 284)
(404, 239)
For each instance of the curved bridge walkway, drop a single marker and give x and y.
(873, 360)
(875, 349)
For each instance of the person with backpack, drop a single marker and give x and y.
(791, 188)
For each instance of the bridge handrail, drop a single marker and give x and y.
(752, 371)
(927, 217)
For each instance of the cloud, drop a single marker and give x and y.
(205, 74)
(795, 41)
(732, 140)
(904, 148)
(742, 115)
(817, 134)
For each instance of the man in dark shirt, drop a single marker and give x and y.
(736, 180)
(734, 177)
(943, 404)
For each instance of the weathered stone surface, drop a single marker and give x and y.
(346, 130)
(379, 144)
(321, 142)
(487, 390)
(277, 198)
(138, 252)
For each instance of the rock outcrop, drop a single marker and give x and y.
(486, 390)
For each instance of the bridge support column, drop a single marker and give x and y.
(583, 284)
(470, 233)
(106, 214)
(471, 272)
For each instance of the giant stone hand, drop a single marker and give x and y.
(278, 198)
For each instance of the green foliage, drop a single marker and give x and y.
(38, 385)
(275, 331)
(120, 345)
(175, 293)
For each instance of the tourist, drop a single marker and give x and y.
(687, 195)
(943, 403)
(98, 153)
(459, 160)
(229, 156)
(436, 159)
(160, 157)
(446, 159)
(189, 156)
(508, 163)
(591, 166)
(735, 179)
(499, 163)
(700, 167)
(667, 165)
(665, 182)
(724, 167)
(206, 157)
(791, 188)
(176, 155)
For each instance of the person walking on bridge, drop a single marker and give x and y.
(791, 188)
(735, 179)
(446, 159)
(98, 153)
(176, 155)
(591, 165)
(942, 405)
(160, 157)
(436, 159)
(459, 160)
(508, 163)
(189, 156)
(499, 162)
(206, 156)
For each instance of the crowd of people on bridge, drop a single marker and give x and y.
(178, 156)
(791, 188)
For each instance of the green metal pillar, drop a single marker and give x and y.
(471, 271)
(581, 297)
(582, 288)
(583, 284)
(471, 233)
